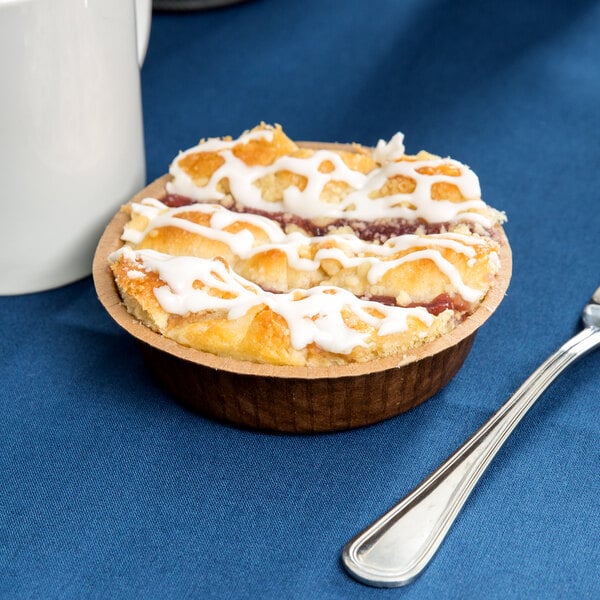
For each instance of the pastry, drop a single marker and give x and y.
(267, 251)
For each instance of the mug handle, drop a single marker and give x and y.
(143, 19)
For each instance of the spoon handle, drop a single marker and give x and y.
(395, 549)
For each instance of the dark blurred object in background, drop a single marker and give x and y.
(190, 4)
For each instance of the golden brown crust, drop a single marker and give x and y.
(260, 334)
(458, 267)
(201, 165)
(416, 281)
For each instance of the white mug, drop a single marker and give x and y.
(71, 132)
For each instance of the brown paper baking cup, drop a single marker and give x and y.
(294, 399)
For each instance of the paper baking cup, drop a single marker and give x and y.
(294, 399)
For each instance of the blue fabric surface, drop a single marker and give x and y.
(110, 489)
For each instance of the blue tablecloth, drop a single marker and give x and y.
(110, 489)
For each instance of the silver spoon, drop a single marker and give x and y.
(395, 549)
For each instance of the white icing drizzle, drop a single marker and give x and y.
(386, 152)
(349, 250)
(313, 316)
(358, 204)
(133, 274)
